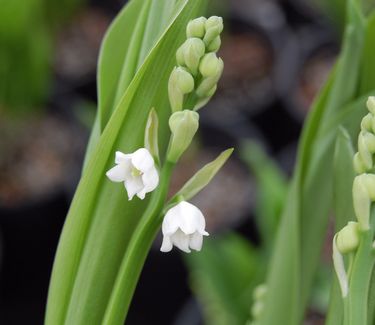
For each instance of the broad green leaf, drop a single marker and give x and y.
(201, 179)
(100, 221)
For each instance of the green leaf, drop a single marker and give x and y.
(223, 276)
(201, 179)
(368, 62)
(125, 47)
(343, 179)
(271, 190)
(344, 212)
(100, 221)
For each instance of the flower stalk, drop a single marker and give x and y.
(136, 253)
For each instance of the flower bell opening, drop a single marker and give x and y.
(183, 227)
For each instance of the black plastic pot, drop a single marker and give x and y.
(29, 239)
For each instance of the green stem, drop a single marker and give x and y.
(356, 302)
(135, 256)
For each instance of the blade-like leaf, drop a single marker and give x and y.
(368, 62)
(343, 203)
(201, 179)
(271, 190)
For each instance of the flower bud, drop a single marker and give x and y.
(208, 83)
(366, 148)
(339, 266)
(366, 123)
(190, 53)
(210, 65)
(260, 292)
(214, 26)
(214, 45)
(359, 168)
(363, 195)
(371, 104)
(257, 309)
(196, 28)
(348, 238)
(183, 125)
(180, 55)
(180, 83)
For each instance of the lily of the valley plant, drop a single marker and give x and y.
(158, 65)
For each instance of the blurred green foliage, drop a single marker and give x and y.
(27, 29)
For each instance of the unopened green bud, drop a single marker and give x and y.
(366, 148)
(183, 80)
(366, 123)
(183, 125)
(214, 26)
(196, 27)
(180, 55)
(180, 83)
(207, 84)
(210, 65)
(371, 104)
(190, 53)
(204, 100)
(257, 309)
(214, 45)
(339, 266)
(363, 195)
(347, 239)
(359, 168)
(260, 292)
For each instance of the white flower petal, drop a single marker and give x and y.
(196, 241)
(133, 185)
(142, 194)
(171, 221)
(166, 245)
(121, 157)
(181, 240)
(150, 179)
(117, 173)
(142, 160)
(192, 219)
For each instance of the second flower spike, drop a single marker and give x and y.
(184, 227)
(138, 172)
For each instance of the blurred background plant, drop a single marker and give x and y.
(277, 54)
(27, 35)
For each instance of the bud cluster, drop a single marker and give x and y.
(199, 68)
(363, 159)
(347, 240)
(364, 184)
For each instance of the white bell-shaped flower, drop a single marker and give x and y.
(138, 172)
(184, 227)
